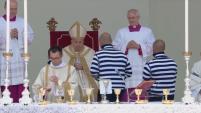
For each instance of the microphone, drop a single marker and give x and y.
(122, 77)
(49, 61)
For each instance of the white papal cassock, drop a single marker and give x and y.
(137, 58)
(83, 57)
(85, 79)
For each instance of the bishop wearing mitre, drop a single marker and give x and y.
(80, 56)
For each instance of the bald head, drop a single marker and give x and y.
(159, 46)
(105, 38)
(134, 11)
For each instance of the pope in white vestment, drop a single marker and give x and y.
(80, 56)
(136, 42)
(195, 82)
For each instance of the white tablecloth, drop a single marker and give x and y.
(102, 108)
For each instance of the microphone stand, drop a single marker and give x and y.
(127, 91)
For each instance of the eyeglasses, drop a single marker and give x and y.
(55, 58)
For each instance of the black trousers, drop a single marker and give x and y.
(155, 98)
(110, 97)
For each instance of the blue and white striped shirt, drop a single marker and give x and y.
(112, 64)
(163, 71)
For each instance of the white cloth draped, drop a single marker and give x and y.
(103, 108)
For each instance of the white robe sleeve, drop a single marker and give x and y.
(30, 34)
(65, 56)
(147, 44)
(74, 77)
(89, 57)
(2, 39)
(118, 42)
(38, 82)
(195, 83)
(40, 77)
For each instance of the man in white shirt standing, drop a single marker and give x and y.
(136, 42)
(16, 71)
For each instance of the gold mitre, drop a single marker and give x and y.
(77, 31)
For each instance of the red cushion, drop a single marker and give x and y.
(62, 39)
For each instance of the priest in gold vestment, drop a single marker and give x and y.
(80, 56)
(54, 78)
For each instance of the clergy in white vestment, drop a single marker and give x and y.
(16, 71)
(80, 56)
(136, 42)
(54, 77)
(195, 81)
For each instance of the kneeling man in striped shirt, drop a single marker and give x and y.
(163, 71)
(111, 64)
